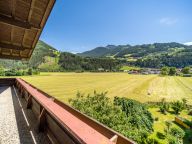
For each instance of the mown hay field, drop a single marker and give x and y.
(143, 88)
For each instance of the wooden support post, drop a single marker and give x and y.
(42, 120)
(19, 88)
(22, 92)
(29, 102)
(114, 139)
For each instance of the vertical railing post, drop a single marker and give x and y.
(29, 101)
(42, 120)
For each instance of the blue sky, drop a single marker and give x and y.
(80, 25)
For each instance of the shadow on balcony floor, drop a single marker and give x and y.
(18, 125)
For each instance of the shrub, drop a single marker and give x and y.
(172, 71)
(137, 112)
(19, 73)
(156, 119)
(186, 70)
(24, 73)
(164, 107)
(177, 132)
(152, 141)
(2, 72)
(188, 135)
(177, 106)
(132, 120)
(36, 72)
(11, 72)
(184, 100)
(168, 126)
(30, 71)
(164, 71)
(172, 140)
(190, 112)
(160, 135)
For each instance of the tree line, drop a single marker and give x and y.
(172, 71)
(179, 61)
(18, 72)
(72, 62)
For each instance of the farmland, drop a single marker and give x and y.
(143, 88)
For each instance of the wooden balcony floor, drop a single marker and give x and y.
(17, 124)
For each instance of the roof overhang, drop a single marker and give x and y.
(21, 23)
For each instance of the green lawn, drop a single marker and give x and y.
(159, 125)
(139, 87)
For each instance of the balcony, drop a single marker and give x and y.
(29, 115)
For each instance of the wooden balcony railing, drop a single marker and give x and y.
(62, 123)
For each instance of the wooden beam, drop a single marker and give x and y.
(31, 10)
(2, 56)
(13, 47)
(14, 22)
(22, 40)
(48, 10)
(13, 3)
(12, 29)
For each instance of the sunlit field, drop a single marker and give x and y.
(143, 88)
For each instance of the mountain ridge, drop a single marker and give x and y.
(153, 55)
(106, 51)
(47, 58)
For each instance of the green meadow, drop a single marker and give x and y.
(143, 88)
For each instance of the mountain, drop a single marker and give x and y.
(103, 51)
(147, 55)
(138, 50)
(47, 58)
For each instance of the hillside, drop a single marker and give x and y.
(147, 55)
(47, 58)
(109, 50)
(39, 56)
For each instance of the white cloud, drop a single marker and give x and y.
(188, 43)
(168, 21)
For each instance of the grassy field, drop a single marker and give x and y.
(139, 87)
(143, 88)
(160, 125)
